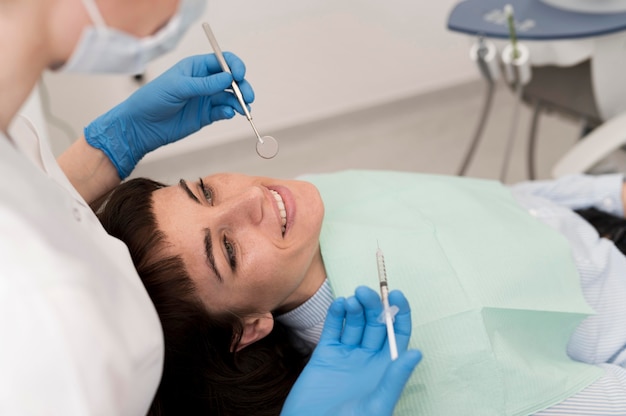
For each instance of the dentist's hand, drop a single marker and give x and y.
(350, 371)
(190, 95)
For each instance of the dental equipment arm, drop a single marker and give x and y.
(485, 54)
(595, 146)
(516, 63)
(350, 372)
(185, 98)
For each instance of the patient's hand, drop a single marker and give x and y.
(350, 371)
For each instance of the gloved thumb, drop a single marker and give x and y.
(390, 388)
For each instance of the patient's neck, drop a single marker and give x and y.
(313, 280)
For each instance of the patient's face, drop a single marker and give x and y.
(250, 244)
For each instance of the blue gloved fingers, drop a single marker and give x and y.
(172, 106)
(226, 99)
(222, 113)
(246, 91)
(355, 322)
(333, 325)
(208, 65)
(402, 323)
(387, 393)
(236, 65)
(194, 87)
(375, 332)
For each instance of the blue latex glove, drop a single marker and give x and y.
(350, 371)
(185, 98)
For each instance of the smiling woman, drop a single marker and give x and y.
(233, 261)
(228, 231)
(205, 372)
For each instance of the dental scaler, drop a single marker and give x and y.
(388, 312)
(266, 146)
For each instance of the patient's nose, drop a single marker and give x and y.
(245, 207)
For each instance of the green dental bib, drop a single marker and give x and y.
(494, 292)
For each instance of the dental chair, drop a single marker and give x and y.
(577, 55)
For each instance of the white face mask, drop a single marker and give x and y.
(102, 49)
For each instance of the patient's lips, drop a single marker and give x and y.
(281, 209)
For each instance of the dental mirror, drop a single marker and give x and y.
(267, 147)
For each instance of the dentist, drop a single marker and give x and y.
(79, 335)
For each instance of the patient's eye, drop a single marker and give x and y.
(207, 192)
(230, 250)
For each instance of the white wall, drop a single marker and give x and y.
(306, 59)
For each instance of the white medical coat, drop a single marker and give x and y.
(78, 332)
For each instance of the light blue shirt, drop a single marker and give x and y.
(601, 338)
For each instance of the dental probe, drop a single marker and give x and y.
(267, 146)
(384, 294)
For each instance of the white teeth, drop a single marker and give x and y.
(281, 208)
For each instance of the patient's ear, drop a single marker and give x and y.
(255, 327)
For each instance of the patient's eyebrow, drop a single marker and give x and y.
(208, 249)
(183, 184)
(208, 242)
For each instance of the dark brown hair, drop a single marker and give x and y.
(201, 375)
